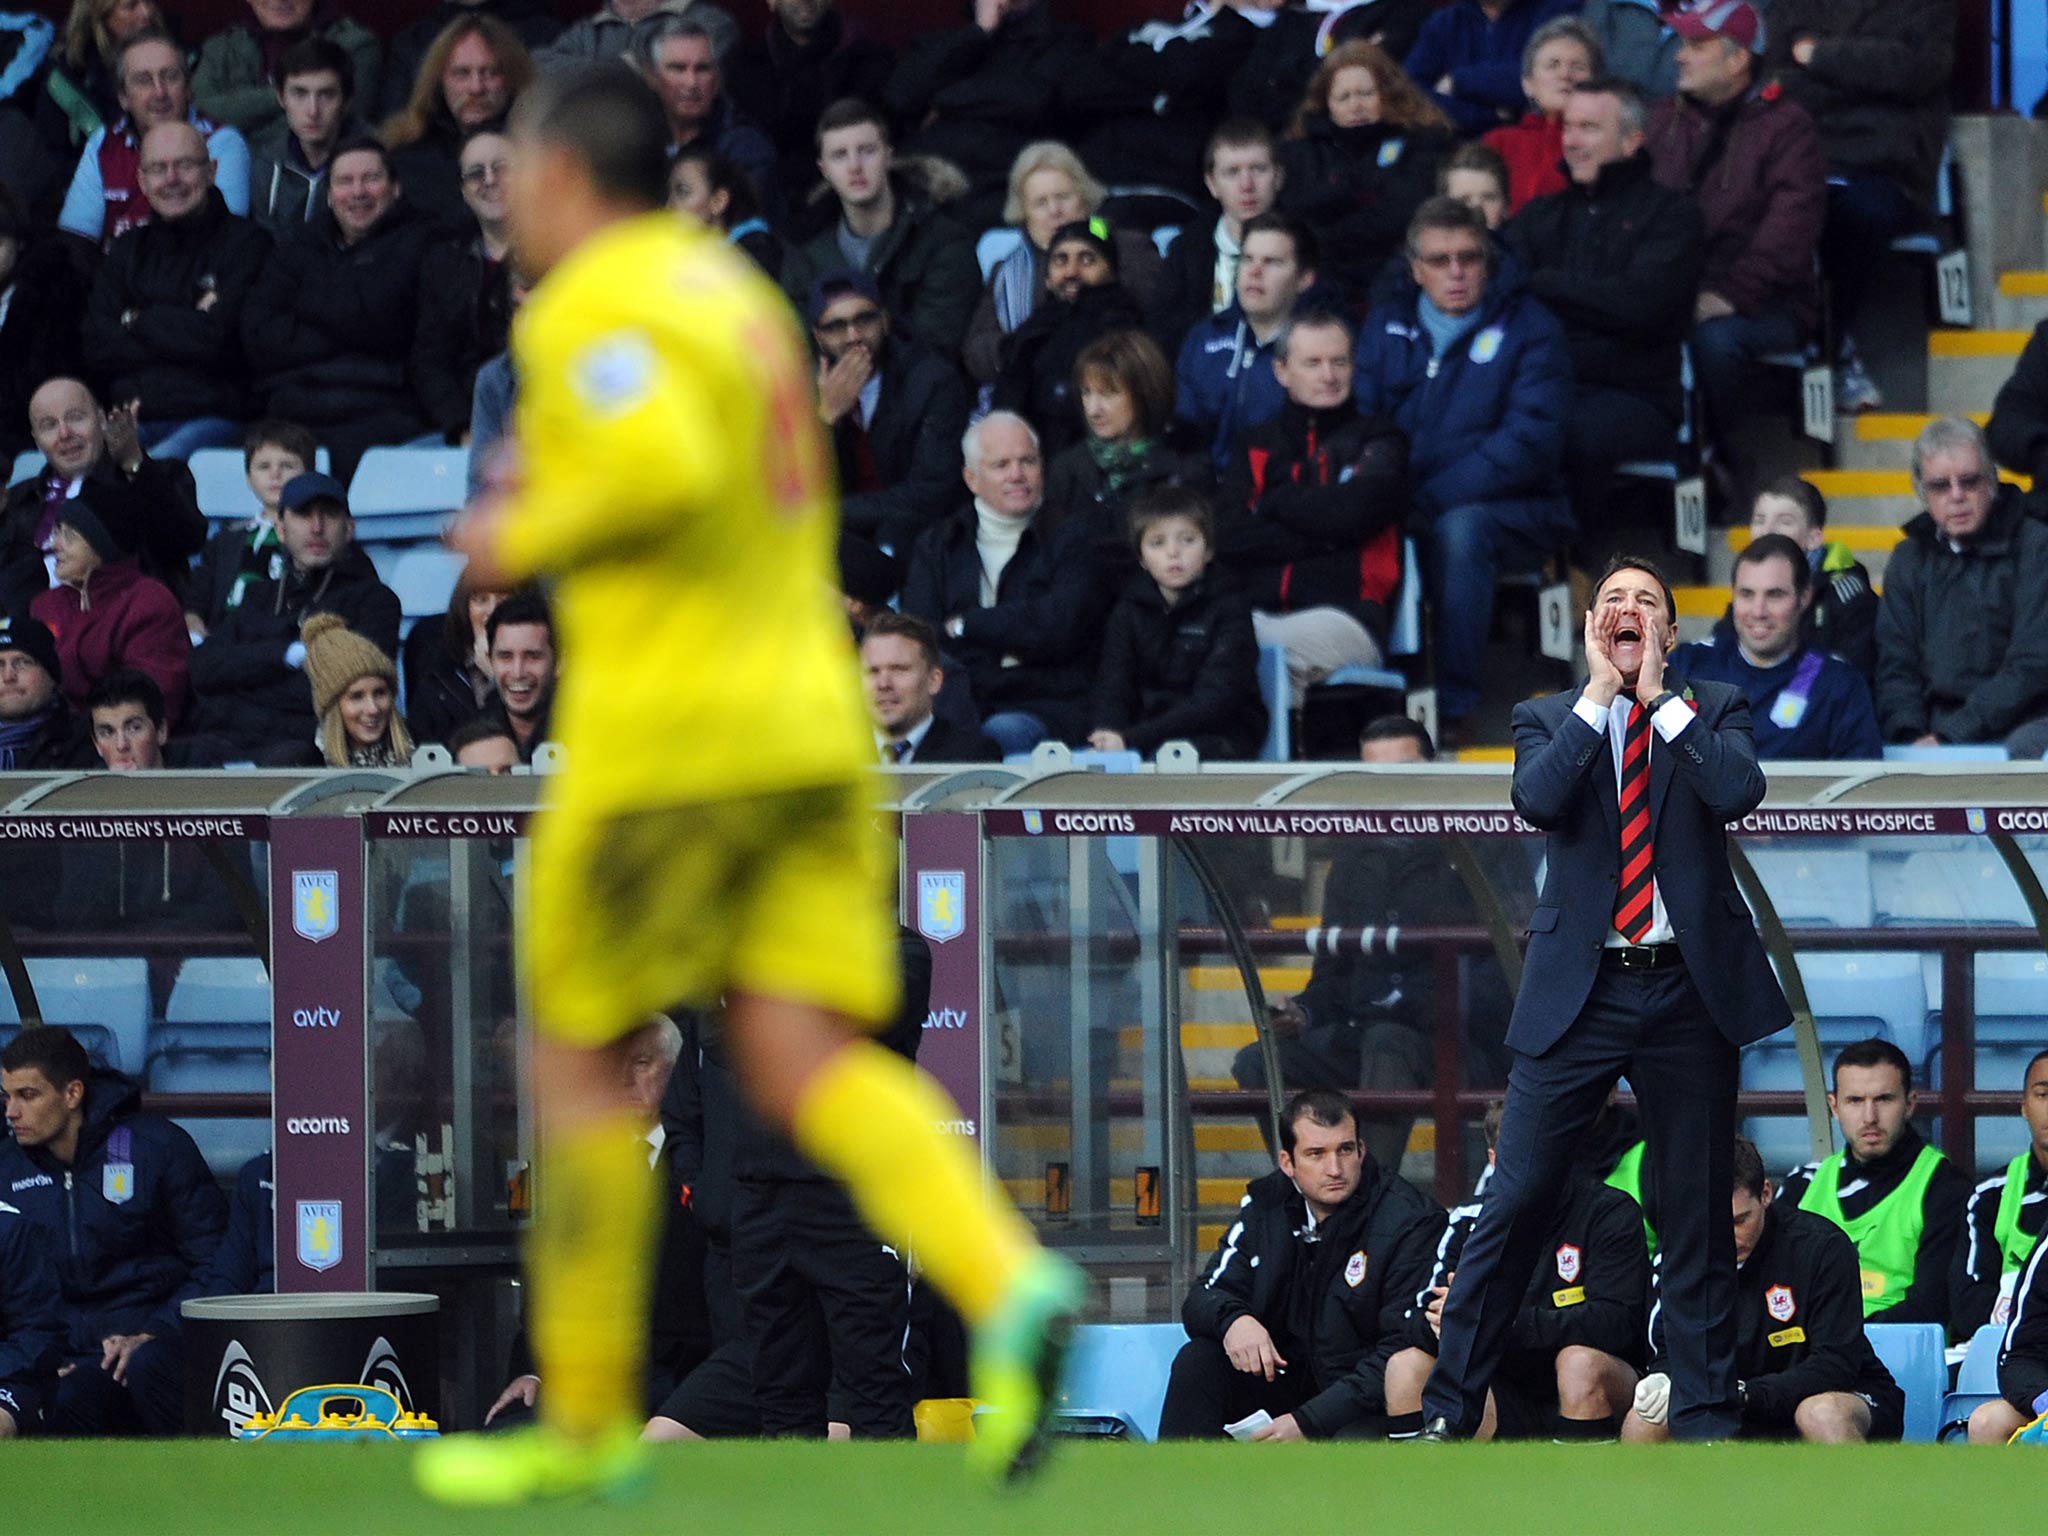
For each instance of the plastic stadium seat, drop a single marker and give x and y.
(100, 1046)
(1952, 752)
(407, 493)
(1854, 994)
(110, 993)
(1916, 1355)
(26, 465)
(1976, 1380)
(1404, 634)
(1115, 1379)
(424, 580)
(1163, 238)
(216, 1058)
(1817, 887)
(1964, 885)
(993, 246)
(1277, 747)
(220, 989)
(223, 484)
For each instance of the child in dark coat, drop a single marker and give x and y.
(1179, 661)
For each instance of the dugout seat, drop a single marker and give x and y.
(83, 992)
(216, 1058)
(1916, 1355)
(1114, 1384)
(220, 989)
(1976, 1381)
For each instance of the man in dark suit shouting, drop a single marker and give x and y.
(1643, 961)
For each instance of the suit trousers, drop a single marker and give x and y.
(1650, 1026)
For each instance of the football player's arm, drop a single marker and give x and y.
(616, 443)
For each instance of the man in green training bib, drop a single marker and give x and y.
(1900, 1201)
(2004, 1218)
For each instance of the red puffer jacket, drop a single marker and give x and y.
(122, 618)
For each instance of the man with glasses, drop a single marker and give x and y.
(469, 321)
(161, 324)
(1961, 652)
(894, 409)
(1475, 371)
(106, 197)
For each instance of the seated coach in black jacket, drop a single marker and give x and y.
(1306, 1298)
(1577, 1344)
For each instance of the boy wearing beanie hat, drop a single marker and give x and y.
(355, 697)
(104, 613)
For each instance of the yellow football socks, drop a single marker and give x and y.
(590, 1260)
(871, 1120)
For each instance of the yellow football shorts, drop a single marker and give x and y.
(786, 896)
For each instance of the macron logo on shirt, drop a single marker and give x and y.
(34, 1181)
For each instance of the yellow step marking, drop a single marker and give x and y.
(1833, 483)
(1899, 426)
(2023, 285)
(1224, 978)
(1193, 1037)
(1865, 540)
(1976, 343)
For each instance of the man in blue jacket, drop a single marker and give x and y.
(1805, 703)
(31, 1325)
(1475, 371)
(133, 1213)
(1224, 382)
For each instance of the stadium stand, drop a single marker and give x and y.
(1077, 1024)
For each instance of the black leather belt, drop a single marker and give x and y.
(1642, 957)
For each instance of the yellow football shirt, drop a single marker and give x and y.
(675, 486)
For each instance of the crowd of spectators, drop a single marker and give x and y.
(1351, 276)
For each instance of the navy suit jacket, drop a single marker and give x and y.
(1703, 778)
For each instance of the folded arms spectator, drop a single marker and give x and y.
(163, 325)
(1469, 56)
(330, 328)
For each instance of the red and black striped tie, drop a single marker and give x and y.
(1632, 900)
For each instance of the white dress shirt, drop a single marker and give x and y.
(1612, 721)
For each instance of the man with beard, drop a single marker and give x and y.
(1084, 300)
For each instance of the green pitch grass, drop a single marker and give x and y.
(207, 1489)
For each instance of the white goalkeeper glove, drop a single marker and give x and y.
(1653, 1398)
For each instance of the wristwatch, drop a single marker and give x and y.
(1660, 701)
